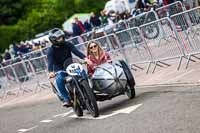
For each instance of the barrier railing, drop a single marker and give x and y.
(154, 42)
(171, 9)
(142, 18)
(189, 23)
(134, 46)
(25, 76)
(164, 46)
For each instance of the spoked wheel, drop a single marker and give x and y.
(76, 98)
(91, 102)
(77, 109)
(130, 80)
(152, 31)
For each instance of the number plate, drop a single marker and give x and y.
(74, 69)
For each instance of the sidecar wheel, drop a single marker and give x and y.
(130, 93)
(130, 80)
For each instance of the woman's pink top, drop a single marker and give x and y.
(95, 62)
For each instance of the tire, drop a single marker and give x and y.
(130, 80)
(77, 105)
(154, 33)
(77, 109)
(91, 102)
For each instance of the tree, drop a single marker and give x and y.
(23, 19)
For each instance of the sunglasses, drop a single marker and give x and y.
(93, 46)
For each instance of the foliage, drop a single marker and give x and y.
(23, 19)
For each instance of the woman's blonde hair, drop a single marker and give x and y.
(100, 50)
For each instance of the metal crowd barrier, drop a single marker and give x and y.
(171, 9)
(107, 42)
(39, 68)
(189, 23)
(164, 46)
(7, 79)
(26, 76)
(142, 18)
(134, 47)
(151, 43)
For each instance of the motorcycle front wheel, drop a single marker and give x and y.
(77, 108)
(90, 99)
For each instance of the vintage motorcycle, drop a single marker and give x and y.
(80, 93)
(108, 81)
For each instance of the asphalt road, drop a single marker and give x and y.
(154, 110)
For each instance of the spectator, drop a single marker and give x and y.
(103, 17)
(67, 34)
(29, 47)
(17, 48)
(7, 55)
(160, 3)
(94, 20)
(87, 25)
(76, 29)
(44, 43)
(140, 4)
(24, 48)
(117, 6)
(12, 51)
(1, 59)
(166, 2)
(80, 24)
(36, 46)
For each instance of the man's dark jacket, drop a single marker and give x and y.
(58, 55)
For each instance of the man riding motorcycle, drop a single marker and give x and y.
(58, 53)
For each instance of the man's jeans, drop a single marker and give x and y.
(60, 82)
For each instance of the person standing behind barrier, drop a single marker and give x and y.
(58, 53)
(103, 18)
(80, 24)
(1, 60)
(76, 29)
(7, 55)
(94, 20)
(87, 25)
(96, 55)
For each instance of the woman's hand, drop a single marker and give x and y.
(89, 62)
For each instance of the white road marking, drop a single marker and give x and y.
(128, 110)
(66, 114)
(63, 114)
(25, 130)
(121, 111)
(46, 121)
